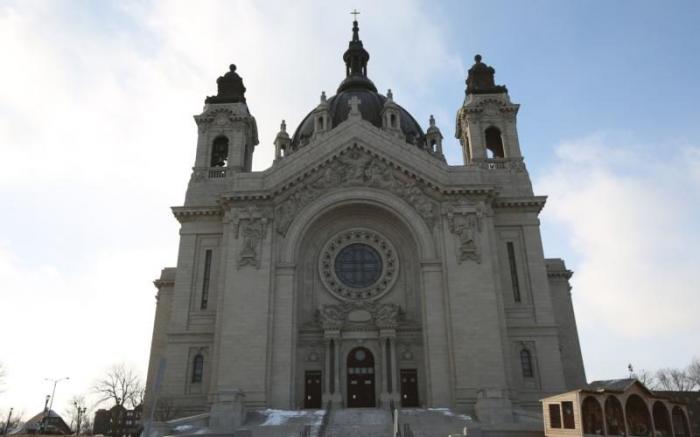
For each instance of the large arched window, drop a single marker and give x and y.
(662, 421)
(197, 368)
(614, 417)
(494, 143)
(638, 419)
(680, 423)
(592, 416)
(219, 152)
(526, 363)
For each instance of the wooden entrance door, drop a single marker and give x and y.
(409, 388)
(312, 391)
(360, 378)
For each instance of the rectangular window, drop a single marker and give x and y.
(513, 272)
(554, 416)
(568, 410)
(207, 277)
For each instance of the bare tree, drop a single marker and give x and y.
(671, 379)
(645, 377)
(79, 413)
(694, 372)
(122, 385)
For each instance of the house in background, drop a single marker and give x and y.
(618, 407)
(46, 422)
(118, 421)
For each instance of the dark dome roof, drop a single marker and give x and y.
(357, 84)
(371, 105)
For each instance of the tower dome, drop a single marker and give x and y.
(358, 85)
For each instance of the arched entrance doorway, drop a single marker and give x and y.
(360, 378)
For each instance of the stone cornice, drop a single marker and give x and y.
(528, 204)
(564, 274)
(159, 283)
(184, 213)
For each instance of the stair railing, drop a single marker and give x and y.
(326, 419)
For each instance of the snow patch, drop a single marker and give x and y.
(280, 417)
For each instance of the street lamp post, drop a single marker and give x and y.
(53, 393)
(81, 412)
(7, 424)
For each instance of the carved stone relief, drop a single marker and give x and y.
(345, 315)
(464, 219)
(356, 168)
(249, 225)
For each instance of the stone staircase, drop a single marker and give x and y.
(362, 422)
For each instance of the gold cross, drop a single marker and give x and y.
(355, 13)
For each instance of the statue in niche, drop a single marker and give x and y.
(464, 221)
(252, 235)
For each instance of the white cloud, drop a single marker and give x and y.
(630, 212)
(97, 138)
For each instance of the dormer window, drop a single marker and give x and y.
(219, 152)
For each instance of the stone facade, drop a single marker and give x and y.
(360, 237)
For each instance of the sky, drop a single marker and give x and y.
(97, 142)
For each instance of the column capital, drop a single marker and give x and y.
(331, 334)
(387, 333)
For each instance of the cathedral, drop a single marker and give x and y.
(361, 269)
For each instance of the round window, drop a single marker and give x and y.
(358, 265)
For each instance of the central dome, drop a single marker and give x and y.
(357, 84)
(371, 105)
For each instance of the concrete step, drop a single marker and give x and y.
(364, 422)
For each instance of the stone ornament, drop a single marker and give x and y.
(385, 278)
(465, 221)
(250, 225)
(356, 167)
(382, 315)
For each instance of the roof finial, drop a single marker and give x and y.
(389, 95)
(283, 126)
(432, 120)
(355, 28)
(323, 97)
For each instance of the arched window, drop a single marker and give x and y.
(219, 152)
(662, 421)
(638, 419)
(592, 415)
(680, 423)
(392, 118)
(526, 363)
(494, 143)
(614, 417)
(197, 368)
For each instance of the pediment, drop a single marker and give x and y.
(352, 144)
(356, 155)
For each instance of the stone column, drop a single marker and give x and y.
(337, 394)
(437, 352)
(384, 395)
(394, 365)
(327, 371)
(332, 369)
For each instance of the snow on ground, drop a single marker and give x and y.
(450, 413)
(280, 417)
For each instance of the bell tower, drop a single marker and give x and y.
(227, 132)
(486, 122)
